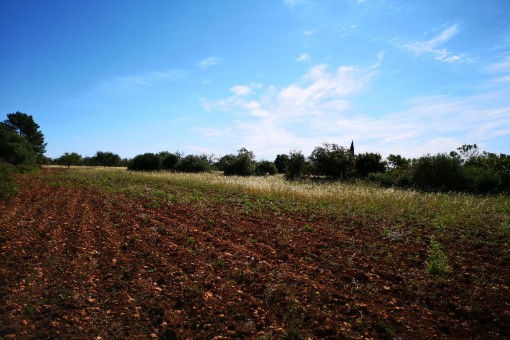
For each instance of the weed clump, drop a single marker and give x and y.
(437, 263)
(8, 186)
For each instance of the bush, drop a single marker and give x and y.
(106, 159)
(27, 168)
(241, 165)
(441, 172)
(265, 168)
(332, 161)
(8, 186)
(145, 162)
(170, 161)
(367, 163)
(482, 181)
(14, 148)
(296, 166)
(393, 178)
(496, 164)
(437, 263)
(281, 163)
(192, 163)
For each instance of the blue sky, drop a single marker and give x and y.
(395, 76)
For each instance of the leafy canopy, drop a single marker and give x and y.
(24, 125)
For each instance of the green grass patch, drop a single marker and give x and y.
(8, 185)
(437, 263)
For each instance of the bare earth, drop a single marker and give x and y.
(78, 263)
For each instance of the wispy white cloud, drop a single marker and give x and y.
(134, 83)
(501, 66)
(501, 69)
(303, 57)
(320, 95)
(321, 107)
(209, 62)
(244, 90)
(431, 47)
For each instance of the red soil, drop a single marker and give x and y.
(78, 263)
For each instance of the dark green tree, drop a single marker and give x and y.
(14, 148)
(106, 159)
(224, 161)
(170, 161)
(467, 151)
(193, 164)
(369, 162)
(145, 162)
(441, 172)
(483, 171)
(333, 161)
(296, 166)
(265, 168)
(281, 163)
(69, 159)
(398, 162)
(241, 165)
(24, 125)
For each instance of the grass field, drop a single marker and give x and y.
(174, 255)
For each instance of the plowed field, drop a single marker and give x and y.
(80, 263)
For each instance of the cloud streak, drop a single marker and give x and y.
(209, 62)
(303, 57)
(133, 84)
(432, 47)
(501, 69)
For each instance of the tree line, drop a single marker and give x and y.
(466, 169)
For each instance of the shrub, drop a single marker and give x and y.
(497, 164)
(8, 186)
(192, 163)
(296, 166)
(367, 163)
(441, 172)
(27, 168)
(145, 162)
(14, 148)
(437, 263)
(170, 161)
(482, 181)
(106, 159)
(398, 162)
(333, 161)
(393, 178)
(281, 163)
(241, 165)
(265, 168)
(224, 161)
